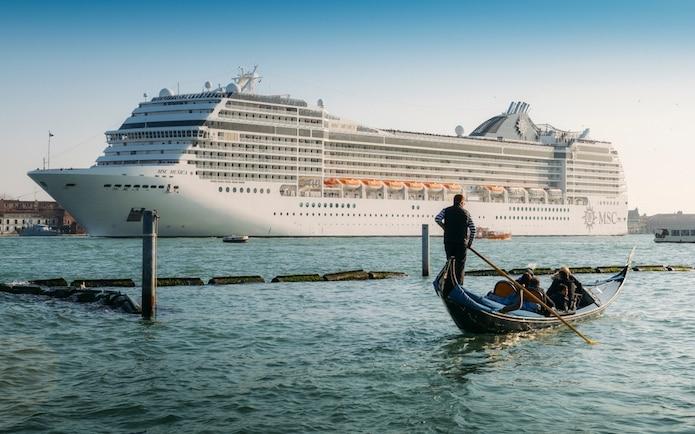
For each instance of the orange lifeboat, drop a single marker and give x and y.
(415, 186)
(373, 184)
(350, 183)
(453, 188)
(434, 186)
(395, 185)
(495, 189)
(332, 182)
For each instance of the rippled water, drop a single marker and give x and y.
(373, 356)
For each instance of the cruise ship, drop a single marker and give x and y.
(227, 160)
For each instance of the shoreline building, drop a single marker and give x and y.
(678, 221)
(16, 215)
(230, 161)
(636, 223)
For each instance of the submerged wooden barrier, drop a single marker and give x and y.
(339, 276)
(180, 281)
(346, 275)
(58, 281)
(297, 278)
(112, 299)
(235, 280)
(376, 275)
(583, 270)
(103, 283)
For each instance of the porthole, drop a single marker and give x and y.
(255, 190)
(220, 189)
(248, 190)
(267, 190)
(313, 205)
(301, 204)
(234, 190)
(227, 189)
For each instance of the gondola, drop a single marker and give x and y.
(479, 314)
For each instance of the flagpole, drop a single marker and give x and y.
(48, 157)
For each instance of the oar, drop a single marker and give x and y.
(532, 296)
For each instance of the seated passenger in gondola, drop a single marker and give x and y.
(566, 292)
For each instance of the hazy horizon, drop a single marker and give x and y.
(622, 69)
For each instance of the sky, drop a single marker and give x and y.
(625, 69)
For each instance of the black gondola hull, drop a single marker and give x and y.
(476, 314)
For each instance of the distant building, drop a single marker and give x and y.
(636, 224)
(671, 221)
(16, 215)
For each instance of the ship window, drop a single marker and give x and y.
(267, 190)
(675, 232)
(117, 185)
(107, 185)
(685, 232)
(227, 189)
(127, 186)
(160, 186)
(248, 190)
(234, 190)
(255, 190)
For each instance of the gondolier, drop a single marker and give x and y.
(459, 232)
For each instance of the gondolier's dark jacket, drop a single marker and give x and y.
(457, 225)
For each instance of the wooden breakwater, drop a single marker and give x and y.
(108, 298)
(582, 270)
(91, 290)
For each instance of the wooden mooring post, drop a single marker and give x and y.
(425, 250)
(149, 264)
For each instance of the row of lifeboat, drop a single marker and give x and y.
(377, 184)
(521, 191)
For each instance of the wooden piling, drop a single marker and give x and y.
(425, 250)
(149, 264)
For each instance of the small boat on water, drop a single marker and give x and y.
(235, 239)
(672, 235)
(479, 314)
(39, 231)
(487, 234)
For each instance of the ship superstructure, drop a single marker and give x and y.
(228, 160)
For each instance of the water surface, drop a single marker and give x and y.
(370, 356)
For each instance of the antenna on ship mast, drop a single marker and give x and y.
(48, 156)
(247, 81)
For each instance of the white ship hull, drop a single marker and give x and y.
(192, 207)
